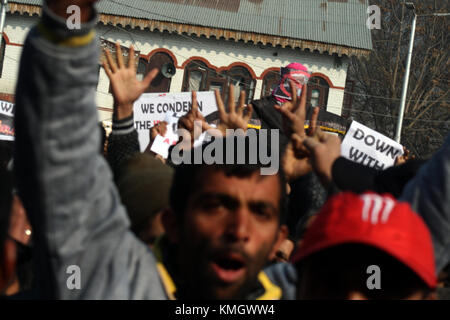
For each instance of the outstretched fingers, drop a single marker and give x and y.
(231, 106)
(294, 97)
(220, 105)
(107, 70)
(248, 116)
(131, 60)
(194, 108)
(313, 123)
(301, 110)
(119, 55)
(288, 114)
(149, 77)
(241, 105)
(111, 63)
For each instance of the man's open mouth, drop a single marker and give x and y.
(229, 268)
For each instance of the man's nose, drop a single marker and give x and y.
(238, 225)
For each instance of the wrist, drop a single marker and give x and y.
(124, 111)
(123, 126)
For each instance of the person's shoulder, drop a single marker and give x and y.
(264, 101)
(284, 275)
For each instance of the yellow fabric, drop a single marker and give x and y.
(329, 129)
(253, 126)
(167, 281)
(272, 292)
(75, 41)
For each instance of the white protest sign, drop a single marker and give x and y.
(369, 147)
(152, 108)
(162, 144)
(6, 121)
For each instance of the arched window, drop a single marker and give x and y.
(241, 78)
(161, 83)
(270, 81)
(318, 92)
(217, 81)
(199, 77)
(195, 75)
(141, 68)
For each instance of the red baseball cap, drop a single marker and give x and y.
(374, 220)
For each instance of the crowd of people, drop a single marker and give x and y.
(139, 226)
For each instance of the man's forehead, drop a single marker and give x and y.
(252, 185)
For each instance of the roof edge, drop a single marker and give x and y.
(210, 32)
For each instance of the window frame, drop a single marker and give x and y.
(272, 77)
(250, 82)
(324, 89)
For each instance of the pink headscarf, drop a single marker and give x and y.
(295, 72)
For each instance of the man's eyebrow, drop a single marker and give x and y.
(262, 203)
(214, 195)
(226, 198)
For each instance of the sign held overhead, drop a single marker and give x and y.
(369, 147)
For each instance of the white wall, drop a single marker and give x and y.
(219, 53)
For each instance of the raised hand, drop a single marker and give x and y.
(126, 88)
(161, 129)
(235, 119)
(295, 161)
(294, 112)
(324, 151)
(294, 116)
(191, 120)
(294, 167)
(407, 155)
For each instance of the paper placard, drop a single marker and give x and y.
(152, 108)
(6, 121)
(162, 144)
(369, 147)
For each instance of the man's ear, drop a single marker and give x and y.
(8, 266)
(281, 236)
(171, 225)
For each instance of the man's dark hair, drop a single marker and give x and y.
(6, 187)
(187, 177)
(335, 272)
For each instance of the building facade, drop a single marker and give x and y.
(209, 54)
